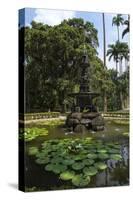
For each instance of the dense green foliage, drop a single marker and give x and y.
(52, 67)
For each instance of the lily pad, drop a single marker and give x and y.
(102, 151)
(67, 175)
(116, 151)
(42, 161)
(33, 151)
(100, 165)
(68, 162)
(116, 157)
(58, 168)
(80, 180)
(79, 157)
(103, 156)
(88, 161)
(90, 171)
(49, 167)
(78, 165)
(56, 160)
(92, 155)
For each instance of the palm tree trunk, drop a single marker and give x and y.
(104, 58)
(122, 100)
(116, 66)
(104, 41)
(121, 70)
(118, 33)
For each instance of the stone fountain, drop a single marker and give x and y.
(84, 114)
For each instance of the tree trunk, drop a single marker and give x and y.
(104, 58)
(116, 66)
(118, 33)
(121, 70)
(122, 100)
(105, 102)
(104, 41)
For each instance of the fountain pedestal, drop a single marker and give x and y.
(84, 113)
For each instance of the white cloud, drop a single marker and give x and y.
(52, 17)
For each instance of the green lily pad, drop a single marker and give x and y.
(125, 133)
(42, 161)
(49, 167)
(92, 155)
(56, 160)
(79, 157)
(90, 171)
(116, 151)
(116, 157)
(68, 161)
(78, 165)
(67, 175)
(102, 151)
(33, 151)
(100, 165)
(58, 168)
(88, 161)
(80, 180)
(103, 156)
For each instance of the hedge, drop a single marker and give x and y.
(116, 114)
(43, 115)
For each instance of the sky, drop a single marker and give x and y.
(54, 17)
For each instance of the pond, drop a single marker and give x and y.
(113, 142)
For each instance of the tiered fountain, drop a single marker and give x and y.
(84, 114)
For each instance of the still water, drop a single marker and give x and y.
(117, 173)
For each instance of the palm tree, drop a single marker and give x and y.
(118, 52)
(104, 40)
(126, 30)
(104, 59)
(113, 52)
(123, 54)
(117, 21)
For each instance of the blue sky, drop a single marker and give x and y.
(54, 17)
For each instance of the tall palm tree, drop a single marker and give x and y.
(113, 52)
(117, 21)
(123, 54)
(104, 40)
(127, 29)
(104, 59)
(118, 52)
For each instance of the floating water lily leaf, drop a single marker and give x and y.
(78, 165)
(103, 156)
(92, 155)
(116, 151)
(88, 161)
(58, 168)
(79, 157)
(42, 161)
(102, 151)
(68, 162)
(49, 167)
(57, 160)
(80, 180)
(100, 165)
(90, 171)
(33, 151)
(67, 175)
(126, 134)
(116, 157)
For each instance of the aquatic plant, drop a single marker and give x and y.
(55, 122)
(77, 160)
(28, 134)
